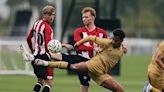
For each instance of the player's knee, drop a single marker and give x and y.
(49, 82)
(40, 81)
(120, 90)
(84, 79)
(75, 67)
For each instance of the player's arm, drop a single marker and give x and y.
(97, 40)
(48, 36)
(105, 35)
(29, 39)
(82, 47)
(160, 59)
(67, 46)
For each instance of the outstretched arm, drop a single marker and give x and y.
(97, 40)
(56, 56)
(67, 46)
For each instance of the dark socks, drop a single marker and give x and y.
(68, 67)
(37, 87)
(46, 88)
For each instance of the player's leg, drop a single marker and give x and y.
(80, 67)
(112, 85)
(84, 81)
(56, 56)
(68, 58)
(48, 85)
(73, 58)
(83, 77)
(105, 80)
(40, 81)
(38, 85)
(29, 57)
(84, 88)
(46, 74)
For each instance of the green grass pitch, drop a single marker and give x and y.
(133, 77)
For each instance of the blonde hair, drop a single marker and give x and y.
(48, 9)
(89, 9)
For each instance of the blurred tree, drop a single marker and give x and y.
(142, 17)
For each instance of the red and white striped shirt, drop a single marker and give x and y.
(87, 49)
(39, 36)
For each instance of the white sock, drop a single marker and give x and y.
(45, 63)
(149, 87)
(41, 62)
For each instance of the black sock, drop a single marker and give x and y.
(162, 90)
(37, 87)
(46, 88)
(68, 67)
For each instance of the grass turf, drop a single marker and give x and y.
(133, 76)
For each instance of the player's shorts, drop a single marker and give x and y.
(83, 77)
(43, 72)
(97, 72)
(156, 80)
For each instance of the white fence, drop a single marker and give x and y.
(141, 46)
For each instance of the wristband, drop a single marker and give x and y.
(95, 39)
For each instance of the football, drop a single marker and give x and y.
(54, 46)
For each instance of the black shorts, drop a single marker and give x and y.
(83, 77)
(43, 72)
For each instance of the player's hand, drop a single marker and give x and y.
(27, 56)
(125, 49)
(98, 49)
(68, 46)
(76, 45)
